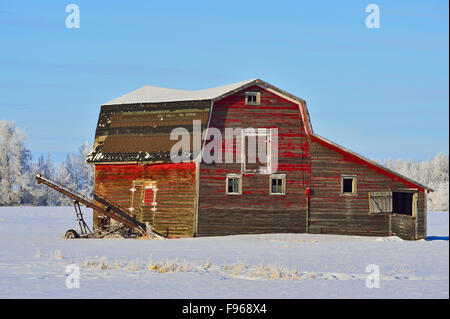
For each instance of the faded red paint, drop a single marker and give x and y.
(149, 196)
(140, 168)
(252, 209)
(352, 158)
(312, 168)
(175, 195)
(134, 171)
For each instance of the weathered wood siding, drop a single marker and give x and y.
(403, 226)
(175, 195)
(256, 211)
(141, 132)
(334, 213)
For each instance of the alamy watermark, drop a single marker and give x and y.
(373, 279)
(256, 149)
(373, 19)
(73, 19)
(73, 278)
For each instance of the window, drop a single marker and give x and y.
(256, 151)
(278, 184)
(252, 98)
(149, 194)
(348, 185)
(234, 184)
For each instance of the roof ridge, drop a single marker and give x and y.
(152, 94)
(371, 162)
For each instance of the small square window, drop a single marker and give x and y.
(234, 184)
(252, 98)
(278, 184)
(348, 184)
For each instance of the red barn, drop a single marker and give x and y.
(300, 182)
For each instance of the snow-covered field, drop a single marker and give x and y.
(34, 256)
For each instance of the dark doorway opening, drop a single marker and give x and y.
(402, 203)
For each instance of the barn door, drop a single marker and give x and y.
(143, 199)
(380, 202)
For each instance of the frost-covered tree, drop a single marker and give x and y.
(17, 172)
(63, 177)
(14, 164)
(39, 195)
(75, 174)
(80, 175)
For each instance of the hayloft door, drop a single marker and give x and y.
(143, 200)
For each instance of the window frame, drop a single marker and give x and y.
(283, 183)
(267, 132)
(354, 185)
(253, 93)
(234, 176)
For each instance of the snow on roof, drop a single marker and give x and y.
(153, 94)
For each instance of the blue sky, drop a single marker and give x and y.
(380, 92)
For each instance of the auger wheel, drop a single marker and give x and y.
(71, 234)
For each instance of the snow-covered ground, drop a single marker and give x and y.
(34, 256)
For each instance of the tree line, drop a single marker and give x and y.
(18, 170)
